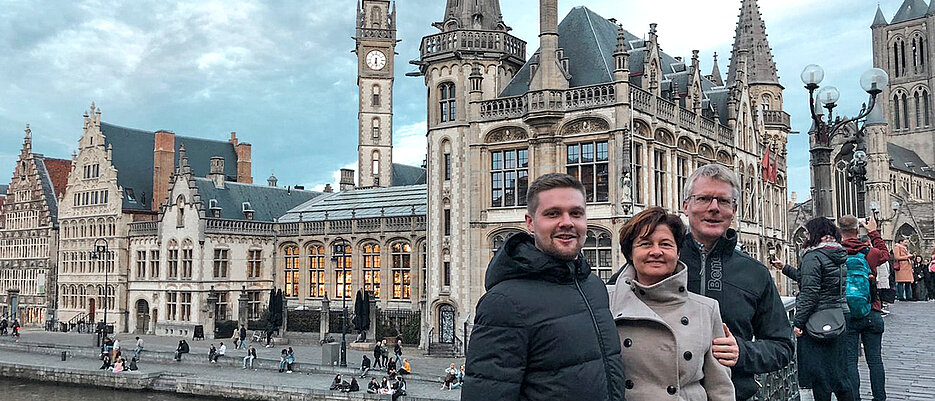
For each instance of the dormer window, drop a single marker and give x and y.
(130, 196)
(214, 209)
(248, 211)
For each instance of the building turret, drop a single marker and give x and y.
(481, 15)
(716, 73)
(549, 73)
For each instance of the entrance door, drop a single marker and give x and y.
(142, 316)
(446, 324)
(91, 310)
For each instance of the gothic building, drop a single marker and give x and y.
(29, 231)
(597, 102)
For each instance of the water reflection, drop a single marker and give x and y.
(20, 390)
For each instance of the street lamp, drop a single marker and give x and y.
(100, 252)
(340, 247)
(873, 81)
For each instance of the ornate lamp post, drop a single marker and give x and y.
(340, 247)
(100, 252)
(873, 81)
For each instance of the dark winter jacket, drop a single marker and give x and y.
(750, 306)
(543, 331)
(821, 279)
(876, 254)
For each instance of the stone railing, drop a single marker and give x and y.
(473, 41)
(370, 225)
(777, 118)
(642, 100)
(142, 228)
(725, 135)
(348, 226)
(374, 33)
(503, 108)
(289, 229)
(224, 226)
(688, 119)
(665, 110)
(313, 227)
(548, 100)
(782, 385)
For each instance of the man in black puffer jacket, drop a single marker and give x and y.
(543, 330)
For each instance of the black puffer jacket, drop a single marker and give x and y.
(543, 331)
(821, 281)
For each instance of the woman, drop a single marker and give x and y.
(212, 352)
(930, 277)
(821, 278)
(384, 386)
(283, 360)
(373, 387)
(290, 359)
(918, 275)
(666, 332)
(903, 268)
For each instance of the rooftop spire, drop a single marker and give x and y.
(880, 19)
(716, 73)
(476, 15)
(751, 35)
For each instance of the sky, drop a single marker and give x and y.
(281, 74)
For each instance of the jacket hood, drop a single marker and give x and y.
(833, 250)
(519, 258)
(854, 245)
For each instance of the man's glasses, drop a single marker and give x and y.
(705, 200)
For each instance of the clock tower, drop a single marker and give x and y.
(376, 44)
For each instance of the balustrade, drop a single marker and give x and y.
(642, 100)
(665, 110)
(142, 228)
(725, 135)
(224, 226)
(371, 225)
(468, 40)
(687, 119)
(549, 100)
(776, 118)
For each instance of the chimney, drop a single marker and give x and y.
(549, 74)
(328, 189)
(163, 166)
(347, 179)
(216, 173)
(244, 163)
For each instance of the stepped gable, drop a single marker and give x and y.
(362, 203)
(268, 203)
(404, 175)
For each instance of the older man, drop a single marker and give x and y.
(543, 330)
(750, 304)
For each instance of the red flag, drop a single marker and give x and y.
(765, 163)
(773, 173)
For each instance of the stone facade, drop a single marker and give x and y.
(376, 53)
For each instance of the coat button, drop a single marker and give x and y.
(687, 355)
(627, 342)
(682, 288)
(628, 384)
(685, 320)
(671, 389)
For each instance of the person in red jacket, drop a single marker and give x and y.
(868, 329)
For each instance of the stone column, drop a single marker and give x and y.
(374, 312)
(212, 304)
(285, 317)
(243, 308)
(325, 315)
(13, 302)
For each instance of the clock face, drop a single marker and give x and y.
(376, 60)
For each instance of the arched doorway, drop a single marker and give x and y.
(446, 324)
(91, 310)
(142, 316)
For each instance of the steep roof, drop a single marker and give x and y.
(880, 19)
(268, 203)
(910, 10)
(404, 175)
(908, 161)
(3, 189)
(133, 158)
(58, 170)
(362, 203)
(751, 36)
(478, 14)
(48, 189)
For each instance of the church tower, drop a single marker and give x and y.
(376, 44)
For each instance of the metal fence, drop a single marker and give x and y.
(782, 385)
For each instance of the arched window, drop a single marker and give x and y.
(918, 110)
(375, 92)
(402, 272)
(926, 107)
(896, 58)
(905, 102)
(497, 241)
(375, 163)
(598, 251)
(187, 259)
(291, 271)
(316, 271)
(845, 190)
(172, 259)
(375, 128)
(342, 257)
(896, 118)
(376, 16)
(371, 271)
(446, 100)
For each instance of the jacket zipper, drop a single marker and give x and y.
(597, 330)
(704, 267)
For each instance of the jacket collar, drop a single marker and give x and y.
(724, 246)
(632, 300)
(519, 258)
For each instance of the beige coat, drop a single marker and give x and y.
(665, 337)
(904, 261)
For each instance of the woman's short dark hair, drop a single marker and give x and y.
(644, 223)
(818, 228)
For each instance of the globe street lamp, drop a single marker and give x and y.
(100, 253)
(873, 81)
(340, 247)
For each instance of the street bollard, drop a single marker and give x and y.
(64, 355)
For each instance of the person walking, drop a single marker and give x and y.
(398, 352)
(243, 337)
(822, 358)
(139, 348)
(903, 269)
(376, 356)
(4, 324)
(667, 334)
(542, 296)
(384, 353)
(249, 358)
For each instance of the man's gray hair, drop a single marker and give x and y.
(716, 172)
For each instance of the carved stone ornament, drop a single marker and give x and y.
(585, 126)
(706, 152)
(506, 134)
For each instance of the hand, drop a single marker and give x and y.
(777, 264)
(797, 331)
(869, 223)
(725, 349)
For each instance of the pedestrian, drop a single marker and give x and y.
(744, 288)
(243, 337)
(283, 357)
(139, 348)
(903, 269)
(540, 290)
(651, 290)
(4, 324)
(116, 345)
(364, 366)
(930, 278)
(399, 388)
(867, 329)
(269, 337)
(211, 353)
(16, 329)
(384, 352)
(377, 360)
(919, 292)
(290, 360)
(821, 308)
(222, 350)
(373, 387)
(251, 356)
(398, 351)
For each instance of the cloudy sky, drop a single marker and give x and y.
(281, 73)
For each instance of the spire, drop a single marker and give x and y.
(880, 19)
(751, 35)
(481, 15)
(716, 73)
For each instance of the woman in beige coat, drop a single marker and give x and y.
(903, 270)
(666, 332)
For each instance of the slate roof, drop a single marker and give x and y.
(47, 181)
(267, 202)
(4, 189)
(910, 10)
(404, 175)
(908, 161)
(363, 203)
(751, 35)
(879, 19)
(133, 158)
(922, 216)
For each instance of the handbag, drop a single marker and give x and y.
(827, 324)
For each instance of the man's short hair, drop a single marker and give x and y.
(848, 224)
(547, 182)
(716, 172)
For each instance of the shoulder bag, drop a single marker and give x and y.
(827, 324)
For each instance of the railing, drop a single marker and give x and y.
(688, 120)
(725, 135)
(549, 100)
(782, 385)
(468, 40)
(665, 110)
(224, 226)
(288, 229)
(707, 128)
(142, 228)
(371, 225)
(341, 226)
(80, 323)
(314, 227)
(776, 118)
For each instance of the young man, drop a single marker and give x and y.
(867, 329)
(138, 349)
(750, 303)
(543, 330)
(243, 337)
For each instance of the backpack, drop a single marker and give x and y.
(857, 289)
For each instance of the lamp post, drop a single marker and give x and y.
(873, 81)
(875, 208)
(340, 247)
(100, 250)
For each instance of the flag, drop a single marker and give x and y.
(773, 173)
(766, 163)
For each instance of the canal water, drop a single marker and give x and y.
(21, 390)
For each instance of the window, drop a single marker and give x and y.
(375, 128)
(637, 178)
(187, 260)
(342, 271)
(498, 240)
(402, 254)
(154, 264)
(316, 271)
(447, 167)
(92, 171)
(446, 100)
(598, 251)
(447, 222)
(896, 112)
(172, 260)
(926, 108)
(172, 299)
(253, 305)
(376, 96)
(447, 274)
(254, 263)
(223, 308)
(375, 165)
(371, 255)
(918, 105)
(141, 264)
(291, 271)
(681, 172)
(509, 177)
(659, 177)
(905, 103)
(588, 162)
(185, 306)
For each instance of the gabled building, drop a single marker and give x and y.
(29, 235)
